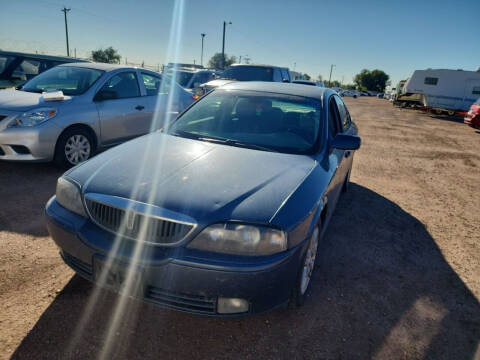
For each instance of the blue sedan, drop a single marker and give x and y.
(221, 212)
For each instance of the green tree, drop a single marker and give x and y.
(374, 80)
(306, 76)
(109, 55)
(334, 83)
(216, 61)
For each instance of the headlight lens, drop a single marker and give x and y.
(35, 117)
(68, 195)
(240, 239)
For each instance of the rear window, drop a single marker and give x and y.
(266, 121)
(431, 81)
(248, 73)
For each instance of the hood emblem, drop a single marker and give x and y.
(130, 220)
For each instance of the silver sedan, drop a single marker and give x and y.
(71, 111)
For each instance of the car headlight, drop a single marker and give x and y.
(68, 195)
(240, 239)
(35, 117)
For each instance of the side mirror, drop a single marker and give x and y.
(346, 142)
(105, 95)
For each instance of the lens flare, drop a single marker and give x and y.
(124, 311)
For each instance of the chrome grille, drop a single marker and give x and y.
(130, 224)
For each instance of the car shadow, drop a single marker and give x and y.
(382, 289)
(24, 191)
(447, 118)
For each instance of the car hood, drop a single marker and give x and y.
(15, 100)
(208, 182)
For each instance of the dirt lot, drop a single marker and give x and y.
(398, 275)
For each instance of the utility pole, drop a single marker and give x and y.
(201, 57)
(223, 43)
(75, 52)
(294, 66)
(65, 10)
(330, 77)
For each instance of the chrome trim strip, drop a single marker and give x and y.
(147, 210)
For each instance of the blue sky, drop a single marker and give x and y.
(395, 36)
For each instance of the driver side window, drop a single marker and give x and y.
(333, 119)
(121, 86)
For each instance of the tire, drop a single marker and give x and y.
(302, 285)
(74, 146)
(438, 112)
(451, 112)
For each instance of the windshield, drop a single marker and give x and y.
(264, 121)
(181, 77)
(248, 73)
(70, 80)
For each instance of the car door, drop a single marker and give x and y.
(346, 128)
(335, 156)
(122, 110)
(165, 99)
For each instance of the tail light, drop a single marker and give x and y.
(475, 109)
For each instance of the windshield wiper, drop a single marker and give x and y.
(38, 91)
(249, 146)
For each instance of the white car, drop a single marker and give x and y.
(352, 93)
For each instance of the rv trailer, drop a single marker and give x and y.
(443, 90)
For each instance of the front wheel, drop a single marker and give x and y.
(306, 270)
(73, 147)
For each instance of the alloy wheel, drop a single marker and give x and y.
(309, 262)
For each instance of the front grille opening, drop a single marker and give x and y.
(78, 265)
(191, 303)
(20, 149)
(158, 231)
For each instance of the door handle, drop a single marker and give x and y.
(348, 153)
(139, 107)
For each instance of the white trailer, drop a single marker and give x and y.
(445, 90)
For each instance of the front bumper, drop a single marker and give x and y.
(179, 278)
(473, 121)
(30, 143)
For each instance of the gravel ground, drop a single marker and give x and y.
(398, 275)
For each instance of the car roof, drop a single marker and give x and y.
(279, 88)
(41, 56)
(259, 65)
(101, 66)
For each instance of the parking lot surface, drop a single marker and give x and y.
(398, 274)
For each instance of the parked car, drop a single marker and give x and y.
(350, 93)
(17, 68)
(70, 111)
(472, 118)
(246, 72)
(184, 219)
(190, 79)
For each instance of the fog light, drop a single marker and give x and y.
(231, 305)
